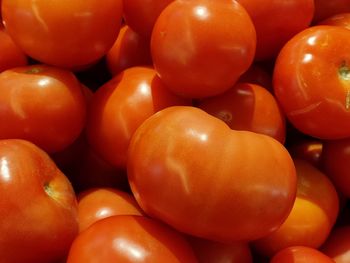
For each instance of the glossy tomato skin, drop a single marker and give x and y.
(337, 245)
(203, 170)
(130, 239)
(11, 55)
(64, 33)
(325, 9)
(276, 22)
(42, 104)
(129, 50)
(141, 15)
(208, 251)
(311, 82)
(120, 106)
(248, 107)
(342, 20)
(37, 205)
(335, 162)
(197, 65)
(98, 203)
(313, 215)
(300, 254)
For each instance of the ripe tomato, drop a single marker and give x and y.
(42, 104)
(276, 22)
(186, 164)
(208, 251)
(257, 75)
(199, 48)
(129, 50)
(300, 254)
(335, 161)
(248, 107)
(130, 239)
(11, 55)
(98, 203)
(308, 65)
(313, 215)
(326, 8)
(337, 245)
(307, 149)
(38, 208)
(342, 20)
(141, 15)
(63, 33)
(120, 106)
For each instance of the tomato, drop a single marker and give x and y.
(248, 107)
(130, 239)
(120, 106)
(208, 251)
(11, 55)
(335, 161)
(308, 65)
(98, 203)
(37, 206)
(257, 75)
(307, 149)
(64, 33)
(300, 254)
(276, 22)
(141, 15)
(325, 8)
(130, 49)
(342, 20)
(313, 215)
(186, 164)
(199, 48)
(337, 245)
(42, 104)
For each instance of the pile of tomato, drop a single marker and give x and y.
(174, 131)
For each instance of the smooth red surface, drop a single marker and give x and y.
(325, 8)
(130, 239)
(311, 82)
(206, 183)
(65, 33)
(120, 106)
(199, 47)
(248, 107)
(307, 149)
(42, 104)
(257, 75)
(313, 215)
(300, 254)
(337, 245)
(38, 208)
(341, 20)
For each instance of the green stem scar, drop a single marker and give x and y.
(344, 75)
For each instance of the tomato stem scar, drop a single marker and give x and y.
(33, 71)
(344, 74)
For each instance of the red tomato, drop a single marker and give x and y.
(64, 33)
(199, 48)
(130, 239)
(98, 203)
(120, 106)
(300, 254)
(276, 22)
(308, 65)
(335, 161)
(42, 104)
(186, 164)
(141, 15)
(337, 245)
(248, 107)
(129, 50)
(313, 215)
(326, 8)
(308, 149)
(208, 251)
(257, 75)
(11, 55)
(342, 20)
(38, 208)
